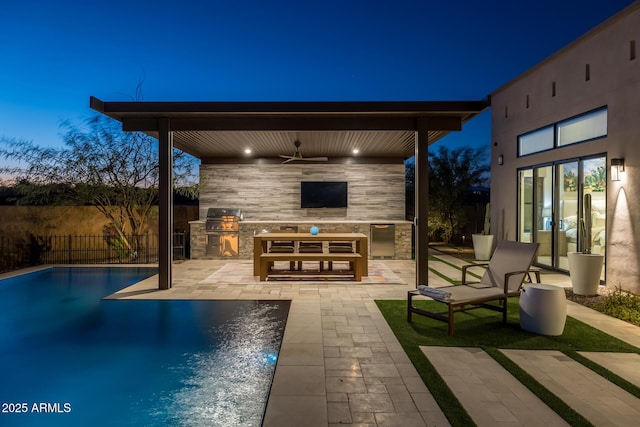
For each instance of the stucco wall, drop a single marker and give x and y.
(615, 83)
(271, 191)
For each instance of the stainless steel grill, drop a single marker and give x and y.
(224, 219)
(222, 226)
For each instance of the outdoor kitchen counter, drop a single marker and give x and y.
(250, 227)
(261, 241)
(331, 221)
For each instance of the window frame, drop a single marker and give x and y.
(556, 132)
(550, 128)
(575, 119)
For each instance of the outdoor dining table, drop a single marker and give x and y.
(260, 244)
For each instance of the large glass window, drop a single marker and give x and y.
(583, 128)
(533, 142)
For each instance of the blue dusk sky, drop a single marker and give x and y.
(55, 54)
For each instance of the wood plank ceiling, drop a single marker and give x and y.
(333, 129)
(232, 144)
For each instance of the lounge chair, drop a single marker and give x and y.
(503, 278)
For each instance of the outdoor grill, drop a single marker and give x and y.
(222, 226)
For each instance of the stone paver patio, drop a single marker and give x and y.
(340, 363)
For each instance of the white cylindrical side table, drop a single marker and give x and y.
(543, 309)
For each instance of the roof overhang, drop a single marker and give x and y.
(209, 130)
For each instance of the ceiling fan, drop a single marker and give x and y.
(298, 156)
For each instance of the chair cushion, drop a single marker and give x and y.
(340, 249)
(282, 249)
(310, 249)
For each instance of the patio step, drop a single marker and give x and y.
(490, 394)
(493, 397)
(624, 365)
(595, 398)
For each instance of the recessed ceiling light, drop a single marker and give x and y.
(247, 151)
(355, 151)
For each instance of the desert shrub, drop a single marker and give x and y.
(622, 305)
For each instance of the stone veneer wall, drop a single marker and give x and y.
(269, 196)
(197, 240)
(271, 192)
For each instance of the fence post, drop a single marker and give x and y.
(69, 242)
(146, 236)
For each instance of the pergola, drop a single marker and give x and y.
(209, 130)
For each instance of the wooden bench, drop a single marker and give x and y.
(267, 260)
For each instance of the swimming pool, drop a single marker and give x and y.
(68, 357)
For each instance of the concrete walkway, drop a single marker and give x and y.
(491, 396)
(340, 363)
(592, 396)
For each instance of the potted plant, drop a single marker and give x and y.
(483, 243)
(585, 267)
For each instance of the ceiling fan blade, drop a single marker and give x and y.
(298, 156)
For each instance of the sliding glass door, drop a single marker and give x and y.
(568, 216)
(543, 202)
(550, 208)
(525, 205)
(594, 184)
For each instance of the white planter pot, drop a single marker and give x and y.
(585, 270)
(482, 246)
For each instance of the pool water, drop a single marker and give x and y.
(69, 357)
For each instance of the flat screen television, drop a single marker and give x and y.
(323, 194)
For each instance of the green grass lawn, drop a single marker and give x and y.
(484, 329)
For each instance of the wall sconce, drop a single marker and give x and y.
(617, 167)
(501, 159)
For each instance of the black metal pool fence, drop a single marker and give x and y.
(85, 249)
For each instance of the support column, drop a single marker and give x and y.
(421, 183)
(165, 209)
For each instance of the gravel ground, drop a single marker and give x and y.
(587, 301)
